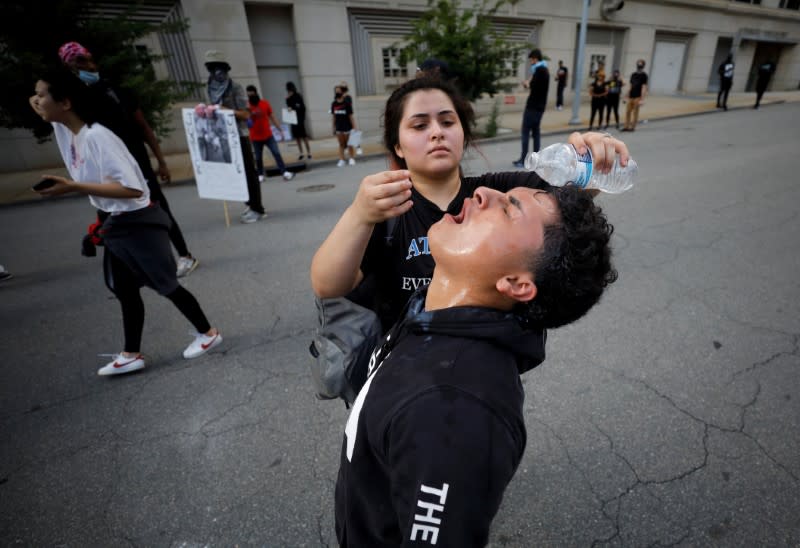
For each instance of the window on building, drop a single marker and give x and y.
(790, 4)
(391, 68)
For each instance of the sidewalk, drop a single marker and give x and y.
(15, 186)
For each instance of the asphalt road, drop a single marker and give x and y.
(668, 416)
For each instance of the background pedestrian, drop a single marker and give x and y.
(725, 71)
(261, 133)
(538, 83)
(614, 86)
(137, 250)
(343, 124)
(765, 72)
(119, 111)
(295, 103)
(636, 96)
(598, 93)
(226, 93)
(561, 82)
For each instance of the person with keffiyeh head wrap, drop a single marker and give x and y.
(225, 92)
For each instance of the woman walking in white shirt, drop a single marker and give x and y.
(135, 233)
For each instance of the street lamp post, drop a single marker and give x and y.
(576, 99)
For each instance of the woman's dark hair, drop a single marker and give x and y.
(393, 114)
(251, 88)
(574, 265)
(291, 87)
(63, 84)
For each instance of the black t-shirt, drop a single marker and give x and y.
(598, 89)
(540, 83)
(341, 115)
(638, 79)
(562, 76)
(116, 110)
(614, 86)
(396, 266)
(296, 103)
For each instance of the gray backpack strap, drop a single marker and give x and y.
(341, 348)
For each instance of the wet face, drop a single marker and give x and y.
(430, 136)
(495, 235)
(45, 106)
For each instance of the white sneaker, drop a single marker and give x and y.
(340, 163)
(201, 344)
(245, 212)
(359, 152)
(186, 266)
(351, 161)
(260, 178)
(288, 175)
(252, 217)
(121, 364)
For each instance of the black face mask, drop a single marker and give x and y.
(338, 95)
(640, 67)
(254, 99)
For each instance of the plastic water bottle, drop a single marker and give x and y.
(560, 164)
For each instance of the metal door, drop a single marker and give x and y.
(667, 67)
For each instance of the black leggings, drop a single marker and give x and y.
(612, 104)
(127, 289)
(597, 107)
(175, 234)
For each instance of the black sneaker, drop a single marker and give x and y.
(518, 163)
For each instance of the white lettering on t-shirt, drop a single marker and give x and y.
(430, 506)
(417, 247)
(412, 284)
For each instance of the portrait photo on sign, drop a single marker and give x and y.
(212, 136)
(212, 139)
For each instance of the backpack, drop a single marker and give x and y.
(346, 335)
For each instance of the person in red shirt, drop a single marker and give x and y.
(261, 133)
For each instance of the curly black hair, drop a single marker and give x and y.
(574, 265)
(393, 113)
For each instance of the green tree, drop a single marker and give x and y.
(31, 32)
(477, 54)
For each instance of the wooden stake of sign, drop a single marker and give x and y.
(227, 215)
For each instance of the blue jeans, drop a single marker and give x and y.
(531, 120)
(272, 145)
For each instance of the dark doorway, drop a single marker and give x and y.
(765, 51)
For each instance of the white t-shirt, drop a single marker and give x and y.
(96, 155)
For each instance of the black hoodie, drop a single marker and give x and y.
(437, 432)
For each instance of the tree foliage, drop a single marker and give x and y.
(31, 31)
(477, 54)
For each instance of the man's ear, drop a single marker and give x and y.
(519, 288)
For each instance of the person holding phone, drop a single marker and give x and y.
(119, 111)
(137, 245)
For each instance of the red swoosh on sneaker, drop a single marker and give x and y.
(117, 364)
(205, 346)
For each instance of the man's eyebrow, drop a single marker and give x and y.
(515, 202)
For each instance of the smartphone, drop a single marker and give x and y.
(43, 184)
